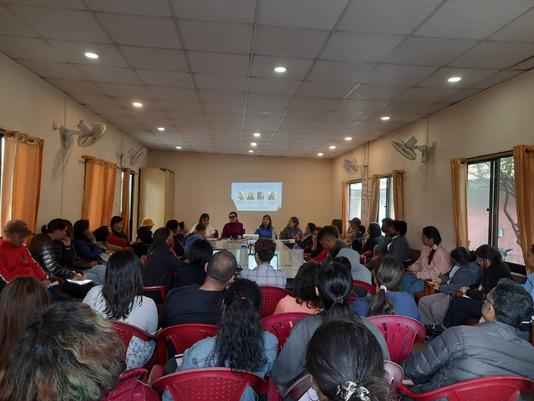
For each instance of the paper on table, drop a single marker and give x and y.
(79, 282)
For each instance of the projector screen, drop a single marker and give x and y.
(257, 196)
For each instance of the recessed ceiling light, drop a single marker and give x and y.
(454, 79)
(280, 69)
(161, 129)
(320, 154)
(91, 55)
(137, 104)
(253, 144)
(250, 151)
(332, 147)
(178, 147)
(385, 118)
(348, 138)
(257, 134)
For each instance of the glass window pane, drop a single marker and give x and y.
(478, 198)
(355, 200)
(391, 209)
(383, 199)
(506, 236)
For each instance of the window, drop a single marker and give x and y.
(385, 198)
(491, 209)
(355, 200)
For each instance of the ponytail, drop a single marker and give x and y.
(335, 285)
(380, 305)
(432, 232)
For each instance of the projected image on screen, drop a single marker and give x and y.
(257, 196)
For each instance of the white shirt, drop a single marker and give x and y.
(209, 230)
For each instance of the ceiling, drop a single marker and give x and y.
(203, 69)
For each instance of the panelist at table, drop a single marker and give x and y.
(234, 229)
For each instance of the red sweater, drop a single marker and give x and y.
(18, 262)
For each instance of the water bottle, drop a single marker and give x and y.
(273, 235)
(243, 256)
(297, 257)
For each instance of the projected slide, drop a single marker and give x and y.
(257, 196)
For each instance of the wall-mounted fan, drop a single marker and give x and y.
(407, 149)
(87, 134)
(351, 167)
(136, 155)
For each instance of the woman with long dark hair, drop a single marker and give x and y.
(240, 343)
(204, 219)
(194, 272)
(266, 229)
(85, 244)
(334, 285)
(305, 241)
(387, 300)
(161, 263)
(434, 262)
(117, 236)
(374, 235)
(345, 362)
(22, 300)
(121, 298)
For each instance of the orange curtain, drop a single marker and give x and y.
(345, 206)
(459, 200)
(99, 191)
(126, 200)
(524, 195)
(375, 189)
(398, 194)
(21, 178)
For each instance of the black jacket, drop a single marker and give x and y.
(159, 269)
(43, 250)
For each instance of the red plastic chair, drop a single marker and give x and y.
(400, 333)
(370, 289)
(183, 336)
(491, 388)
(143, 259)
(158, 289)
(270, 297)
(280, 325)
(126, 331)
(219, 384)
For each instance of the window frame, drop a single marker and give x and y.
(389, 198)
(358, 181)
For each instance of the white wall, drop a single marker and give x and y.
(29, 104)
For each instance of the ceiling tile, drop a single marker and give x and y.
(319, 14)
(110, 74)
(11, 25)
(219, 63)
(166, 78)
(238, 11)
(519, 30)
(360, 47)
(112, 111)
(325, 89)
(132, 92)
(73, 4)
(152, 8)
(496, 79)
(376, 92)
(53, 70)
(346, 115)
(340, 71)
(404, 107)
(394, 74)
(496, 55)
(53, 23)
(127, 101)
(29, 49)
(311, 103)
(267, 101)
(426, 94)
(212, 96)
(217, 37)
(155, 59)
(525, 65)
(273, 86)
(176, 94)
(223, 108)
(263, 66)
(428, 51)
(141, 31)
(180, 106)
(472, 19)
(75, 53)
(307, 114)
(336, 125)
(359, 105)
(385, 16)
(284, 42)
(223, 118)
(186, 116)
(221, 82)
(87, 88)
(460, 95)
(297, 123)
(469, 77)
(91, 100)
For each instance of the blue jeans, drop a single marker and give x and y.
(411, 284)
(97, 274)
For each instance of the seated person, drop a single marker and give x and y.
(398, 247)
(372, 239)
(198, 233)
(305, 241)
(328, 238)
(264, 274)
(161, 263)
(120, 299)
(292, 229)
(382, 247)
(266, 229)
(357, 270)
(234, 229)
(241, 342)
(466, 272)
(179, 239)
(434, 262)
(144, 240)
(305, 298)
(85, 244)
(351, 232)
(334, 286)
(102, 240)
(194, 272)
(490, 348)
(357, 242)
(204, 220)
(117, 237)
(317, 252)
(387, 300)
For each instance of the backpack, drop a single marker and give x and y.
(130, 388)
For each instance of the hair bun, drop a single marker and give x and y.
(352, 391)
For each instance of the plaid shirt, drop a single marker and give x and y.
(265, 275)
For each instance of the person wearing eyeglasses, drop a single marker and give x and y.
(234, 229)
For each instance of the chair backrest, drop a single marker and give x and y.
(368, 287)
(126, 331)
(280, 325)
(157, 293)
(400, 333)
(183, 336)
(394, 373)
(491, 388)
(219, 384)
(270, 298)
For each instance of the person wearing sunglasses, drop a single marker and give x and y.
(234, 229)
